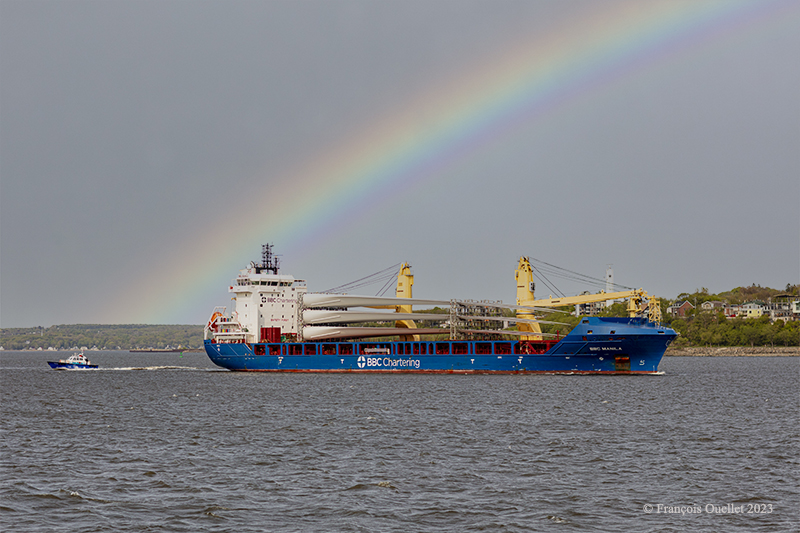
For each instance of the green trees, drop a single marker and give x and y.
(713, 328)
(707, 330)
(113, 337)
(569, 320)
(740, 295)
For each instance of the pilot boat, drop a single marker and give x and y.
(76, 361)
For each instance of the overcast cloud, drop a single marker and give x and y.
(125, 127)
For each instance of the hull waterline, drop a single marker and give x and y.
(614, 346)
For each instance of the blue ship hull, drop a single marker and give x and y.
(595, 346)
(69, 366)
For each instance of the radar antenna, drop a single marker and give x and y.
(269, 261)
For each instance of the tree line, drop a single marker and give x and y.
(712, 328)
(707, 329)
(103, 337)
(699, 328)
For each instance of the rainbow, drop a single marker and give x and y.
(456, 119)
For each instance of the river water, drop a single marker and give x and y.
(168, 442)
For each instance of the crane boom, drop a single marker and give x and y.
(638, 299)
(589, 298)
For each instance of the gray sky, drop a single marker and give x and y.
(130, 132)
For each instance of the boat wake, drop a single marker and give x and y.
(184, 368)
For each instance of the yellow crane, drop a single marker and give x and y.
(638, 301)
(404, 282)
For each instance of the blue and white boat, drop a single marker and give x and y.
(277, 326)
(76, 361)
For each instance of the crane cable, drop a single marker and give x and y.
(377, 277)
(571, 275)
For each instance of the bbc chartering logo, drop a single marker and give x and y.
(387, 362)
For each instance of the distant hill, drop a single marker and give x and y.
(739, 295)
(103, 337)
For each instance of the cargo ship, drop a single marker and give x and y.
(276, 325)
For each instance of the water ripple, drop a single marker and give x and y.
(157, 446)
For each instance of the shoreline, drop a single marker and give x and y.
(733, 351)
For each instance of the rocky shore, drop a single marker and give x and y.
(733, 351)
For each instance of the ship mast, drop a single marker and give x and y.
(269, 261)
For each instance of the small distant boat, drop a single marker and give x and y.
(76, 361)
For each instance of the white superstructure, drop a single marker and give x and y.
(265, 305)
(266, 300)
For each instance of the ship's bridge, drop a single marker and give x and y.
(266, 299)
(249, 281)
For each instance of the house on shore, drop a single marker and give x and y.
(753, 309)
(732, 310)
(680, 308)
(712, 306)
